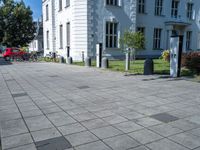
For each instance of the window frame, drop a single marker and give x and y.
(61, 36)
(188, 40)
(47, 12)
(47, 36)
(190, 10)
(60, 5)
(158, 8)
(157, 38)
(67, 3)
(141, 6)
(175, 8)
(112, 2)
(111, 35)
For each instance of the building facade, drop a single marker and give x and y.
(37, 44)
(78, 25)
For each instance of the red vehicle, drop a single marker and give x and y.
(14, 53)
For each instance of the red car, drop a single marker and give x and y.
(13, 53)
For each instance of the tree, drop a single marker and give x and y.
(133, 41)
(16, 24)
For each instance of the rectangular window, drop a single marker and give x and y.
(61, 36)
(141, 29)
(141, 6)
(112, 2)
(68, 33)
(188, 40)
(157, 38)
(189, 10)
(158, 7)
(174, 9)
(67, 3)
(111, 35)
(47, 12)
(60, 5)
(47, 39)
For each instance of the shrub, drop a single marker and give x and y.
(166, 55)
(192, 62)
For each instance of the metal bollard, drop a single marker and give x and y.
(148, 67)
(105, 63)
(62, 59)
(88, 62)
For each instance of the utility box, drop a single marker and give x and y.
(174, 56)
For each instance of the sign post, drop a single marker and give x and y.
(98, 55)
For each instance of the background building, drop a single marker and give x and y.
(78, 25)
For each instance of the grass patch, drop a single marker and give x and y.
(136, 67)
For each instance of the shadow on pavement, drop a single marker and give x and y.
(3, 62)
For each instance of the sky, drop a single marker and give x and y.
(36, 7)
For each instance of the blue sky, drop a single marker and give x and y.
(36, 7)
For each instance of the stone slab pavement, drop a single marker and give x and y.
(47, 106)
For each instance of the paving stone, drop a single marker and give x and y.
(16, 141)
(45, 134)
(164, 117)
(19, 95)
(38, 123)
(60, 119)
(13, 127)
(127, 127)
(84, 117)
(93, 146)
(121, 142)
(165, 144)
(96, 123)
(104, 113)
(132, 115)
(58, 143)
(147, 122)
(114, 119)
(195, 132)
(145, 136)
(140, 148)
(72, 128)
(31, 113)
(106, 132)
(81, 138)
(184, 125)
(186, 139)
(25, 147)
(165, 130)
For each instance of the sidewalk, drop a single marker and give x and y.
(47, 106)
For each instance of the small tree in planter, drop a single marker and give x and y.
(132, 42)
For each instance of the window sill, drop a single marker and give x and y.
(159, 15)
(113, 6)
(67, 6)
(143, 13)
(60, 10)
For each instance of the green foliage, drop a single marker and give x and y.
(16, 24)
(166, 55)
(133, 40)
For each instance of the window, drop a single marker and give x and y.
(111, 35)
(141, 6)
(189, 10)
(174, 9)
(67, 3)
(68, 33)
(47, 12)
(47, 39)
(158, 7)
(112, 2)
(157, 38)
(188, 39)
(60, 5)
(61, 36)
(141, 29)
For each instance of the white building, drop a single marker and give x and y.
(37, 44)
(79, 25)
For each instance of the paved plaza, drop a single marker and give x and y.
(48, 106)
